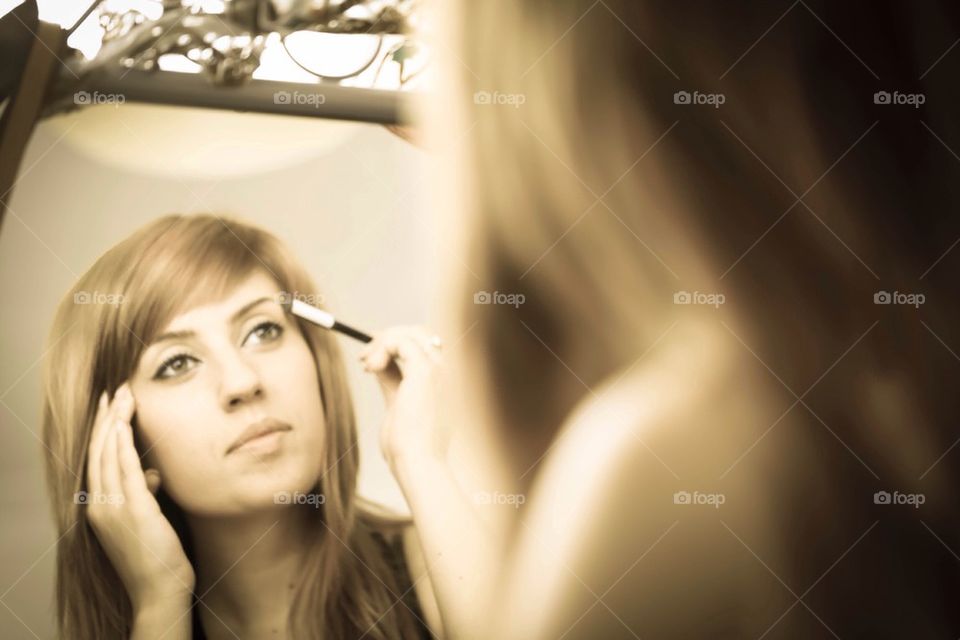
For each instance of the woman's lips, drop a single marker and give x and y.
(263, 433)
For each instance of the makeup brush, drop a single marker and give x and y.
(322, 318)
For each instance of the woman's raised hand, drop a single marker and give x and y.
(406, 361)
(123, 512)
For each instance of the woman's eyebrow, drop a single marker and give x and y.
(177, 335)
(250, 305)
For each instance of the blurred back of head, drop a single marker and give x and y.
(795, 159)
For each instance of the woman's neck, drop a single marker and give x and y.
(247, 570)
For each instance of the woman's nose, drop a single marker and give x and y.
(240, 384)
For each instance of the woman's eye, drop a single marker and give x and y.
(174, 366)
(265, 332)
(181, 363)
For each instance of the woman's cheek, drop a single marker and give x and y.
(178, 458)
(175, 447)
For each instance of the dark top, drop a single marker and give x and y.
(393, 551)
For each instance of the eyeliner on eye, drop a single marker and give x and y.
(166, 363)
(266, 324)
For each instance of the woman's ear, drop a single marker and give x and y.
(152, 477)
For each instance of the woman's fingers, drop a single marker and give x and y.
(411, 348)
(398, 353)
(406, 362)
(111, 484)
(126, 405)
(135, 486)
(139, 540)
(128, 473)
(103, 431)
(102, 465)
(385, 348)
(428, 342)
(98, 440)
(93, 452)
(375, 357)
(390, 357)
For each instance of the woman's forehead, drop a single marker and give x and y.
(258, 287)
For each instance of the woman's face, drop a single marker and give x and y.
(215, 372)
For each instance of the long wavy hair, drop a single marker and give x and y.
(163, 269)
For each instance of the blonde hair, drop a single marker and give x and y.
(589, 103)
(163, 269)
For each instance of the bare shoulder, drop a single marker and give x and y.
(604, 502)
